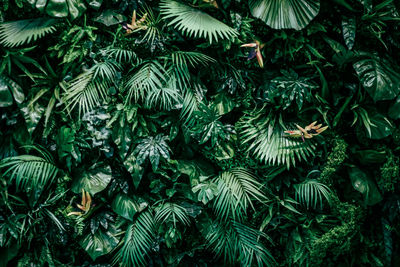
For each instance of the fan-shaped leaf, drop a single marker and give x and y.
(285, 14)
(194, 22)
(266, 141)
(21, 32)
(30, 172)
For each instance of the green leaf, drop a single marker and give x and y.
(124, 206)
(349, 31)
(382, 128)
(57, 8)
(394, 110)
(207, 191)
(32, 115)
(378, 77)
(65, 141)
(93, 180)
(285, 14)
(6, 98)
(362, 183)
(100, 243)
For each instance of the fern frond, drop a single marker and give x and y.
(29, 171)
(138, 241)
(194, 22)
(15, 33)
(266, 141)
(311, 192)
(237, 189)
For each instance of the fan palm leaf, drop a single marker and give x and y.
(194, 22)
(265, 140)
(29, 171)
(285, 14)
(16, 33)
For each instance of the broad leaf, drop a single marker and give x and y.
(124, 206)
(362, 183)
(100, 243)
(93, 180)
(378, 77)
(349, 31)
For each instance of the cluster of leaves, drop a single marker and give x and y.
(143, 133)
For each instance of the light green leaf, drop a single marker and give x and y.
(285, 14)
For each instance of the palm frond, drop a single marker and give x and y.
(122, 55)
(237, 242)
(237, 189)
(105, 70)
(266, 141)
(15, 33)
(311, 192)
(190, 58)
(29, 171)
(165, 98)
(85, 92)
(171, 212)
(190, 104)
(194, 22)
(138, 241)
(150, 76)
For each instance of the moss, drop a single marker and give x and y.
(339, 240)
(334, 161)
(389, 174)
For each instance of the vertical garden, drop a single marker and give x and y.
(199, 133)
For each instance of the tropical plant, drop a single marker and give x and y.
(199, 133)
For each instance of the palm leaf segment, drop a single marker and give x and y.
(138, 241)
(266, 141)
(285, 14)
(311, 192)
(194, 22)
(30, 172)
(20, 32)
(236, 190)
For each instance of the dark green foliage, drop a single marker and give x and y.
(199, 133)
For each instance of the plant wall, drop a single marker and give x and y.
(199, 133)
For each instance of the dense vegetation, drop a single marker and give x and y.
(199, 133)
